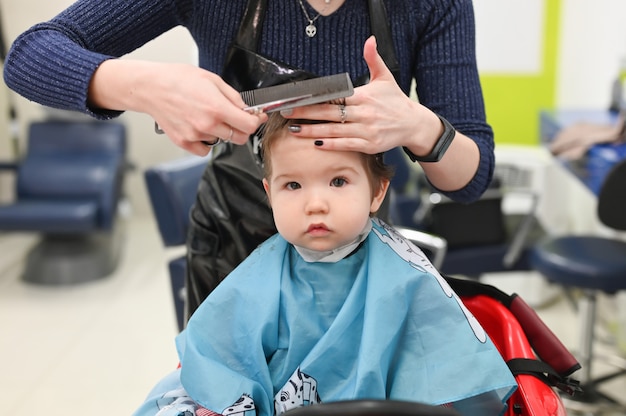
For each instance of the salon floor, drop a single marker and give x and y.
(97, 348)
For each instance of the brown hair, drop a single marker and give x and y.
(276, 125)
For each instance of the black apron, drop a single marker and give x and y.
(231, 216)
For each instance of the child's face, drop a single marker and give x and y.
(321, 199)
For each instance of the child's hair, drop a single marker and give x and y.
(277, 125)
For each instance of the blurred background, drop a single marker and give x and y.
(98, 348)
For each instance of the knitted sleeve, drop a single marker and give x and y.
(52, 63)
(448, 82)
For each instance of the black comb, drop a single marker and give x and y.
(298, 93)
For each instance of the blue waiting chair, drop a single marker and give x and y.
(172, 188)
(67, 187)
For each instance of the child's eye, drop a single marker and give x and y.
(292, 185)
(338, 182)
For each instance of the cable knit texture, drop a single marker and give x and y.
(53, 62)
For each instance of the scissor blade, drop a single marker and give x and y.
(276, 105)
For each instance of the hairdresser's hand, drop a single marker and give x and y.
(189, 104)
(378, 117)
(574, 141)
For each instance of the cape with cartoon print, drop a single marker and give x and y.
(381, 323)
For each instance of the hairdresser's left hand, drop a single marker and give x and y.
(378, 117)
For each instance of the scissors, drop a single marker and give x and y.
(276, 105)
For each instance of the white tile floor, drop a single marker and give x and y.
(92, 349)
(97, 348)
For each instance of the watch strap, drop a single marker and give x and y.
(442, 144)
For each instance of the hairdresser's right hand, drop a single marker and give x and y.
(189, 104)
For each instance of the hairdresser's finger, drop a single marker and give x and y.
(344, 137)
(337, 113)
(242, 122)
(346, 144)
(197, 148)
(375, 63)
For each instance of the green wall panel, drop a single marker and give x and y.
(513, 101)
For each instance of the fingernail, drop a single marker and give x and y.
(287, 112)
(318, 142)
(295, 128)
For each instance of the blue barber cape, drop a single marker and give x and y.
(279, 333)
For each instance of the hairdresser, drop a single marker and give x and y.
(70, 63)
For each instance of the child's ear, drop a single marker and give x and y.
(378, 198)
(266, 186)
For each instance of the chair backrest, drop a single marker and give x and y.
(172, 187)
(70, 137)
(74, 161)
(612, 198)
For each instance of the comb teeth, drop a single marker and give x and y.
(248, 97)
(321, 89)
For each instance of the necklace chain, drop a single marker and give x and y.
(311, 30)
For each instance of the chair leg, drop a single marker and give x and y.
(74, 259)
(591, 401)
(587, 306)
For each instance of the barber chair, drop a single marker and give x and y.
(593, 265)
(67, 188)
(172, 188)
(481, 237)
(515, 330)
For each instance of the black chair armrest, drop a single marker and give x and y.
(371, 407)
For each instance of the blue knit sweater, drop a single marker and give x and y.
(53, 62)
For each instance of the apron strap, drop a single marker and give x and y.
(379, 23)
(249, 33)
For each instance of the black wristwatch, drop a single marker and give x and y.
(442, 144)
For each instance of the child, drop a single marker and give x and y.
(337, 306)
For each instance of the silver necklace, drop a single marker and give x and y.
(311, 30)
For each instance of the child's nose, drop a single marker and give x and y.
(316, 203)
